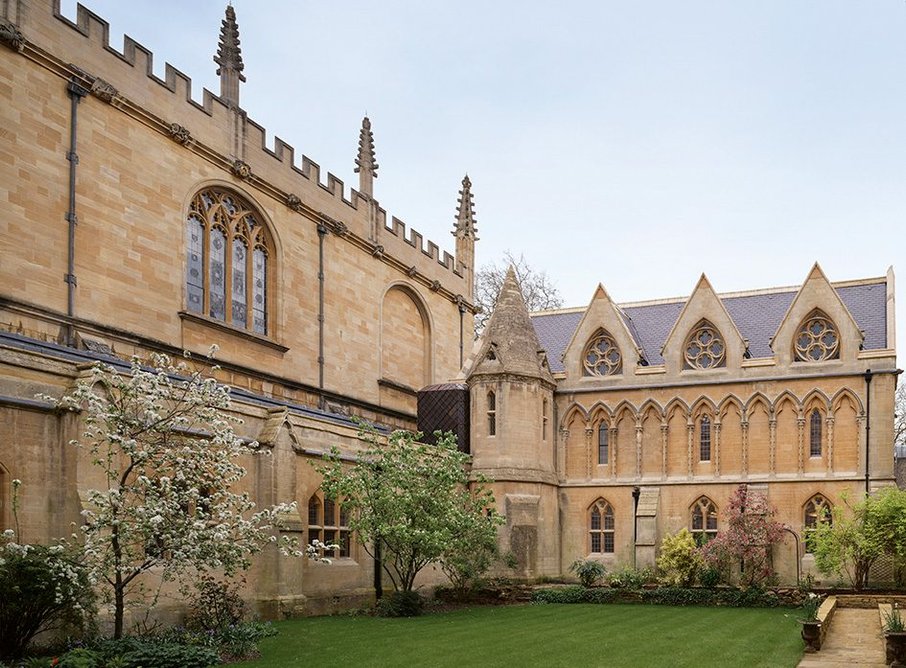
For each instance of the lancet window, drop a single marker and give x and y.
(228, 260)
(603, 444)
(814, 434)
(602, 356)
(704, 439)
(817, 339)
(705, 348)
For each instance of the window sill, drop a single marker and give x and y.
(229, 329)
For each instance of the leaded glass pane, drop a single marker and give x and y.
(596, 542)
(314, 515)
(603, 445)
(259, 291)
(240, 314)
(608, 519)
(217, 273)
(705, 440)
(815, 434)
(344, 543)
(595, 520)
(330, 518)
(195, 264)
(697, 519)
(608, 542)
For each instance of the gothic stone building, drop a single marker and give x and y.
(136, 219)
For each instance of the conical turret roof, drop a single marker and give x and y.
(509, 344)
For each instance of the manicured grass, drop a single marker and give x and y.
(544, 635)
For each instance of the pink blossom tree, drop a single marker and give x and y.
(748, 540)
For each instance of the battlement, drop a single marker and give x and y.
(86, 45)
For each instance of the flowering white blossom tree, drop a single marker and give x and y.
(416, 501)
(168, 453)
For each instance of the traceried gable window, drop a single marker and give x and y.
(814, 434)
(817, 339)
(328, 522)
(601, 528)
(228, 260)
(602, 356)
(705, 348)
(704, 520)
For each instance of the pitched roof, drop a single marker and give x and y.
(757, 314)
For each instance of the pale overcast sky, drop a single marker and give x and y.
(636, 144)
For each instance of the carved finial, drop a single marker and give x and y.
(465, 212)
(229, 58)
(365, 165)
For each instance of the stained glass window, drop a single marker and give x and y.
(227, 250)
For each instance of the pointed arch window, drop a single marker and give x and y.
(492, 413)
(818, 509)
(544, 419)
(817, 339)
(601, 528)
(228, 260)
(603, 444)
(704, 520)
(602, 356)
(704, 439)
(814, 434)
(704, 348)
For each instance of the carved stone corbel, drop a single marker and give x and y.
(179, 134)
(104, 90)
(294, 202)
(241, 169)
(11, 35)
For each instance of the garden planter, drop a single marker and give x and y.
(811, 634)
(896, 647)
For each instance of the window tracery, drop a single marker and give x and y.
(602, 356)
(705, 348)
(704, 520)
(601, 528)
(817, 339)
(818, 509)
(228, 260)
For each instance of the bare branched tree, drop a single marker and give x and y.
(538, 290)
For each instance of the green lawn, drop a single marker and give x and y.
(543, 635)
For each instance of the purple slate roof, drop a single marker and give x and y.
(756, 315)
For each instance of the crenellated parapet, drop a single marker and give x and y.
(217, 130)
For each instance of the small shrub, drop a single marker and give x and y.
(630, 578)
(810, 605)
(401, 604)
(215, 605)
(893, 622)
(679, 561)
(171, 655)
(43, 588)
(82, 658)
(572, 594)
(588, 571)
(709, 577)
